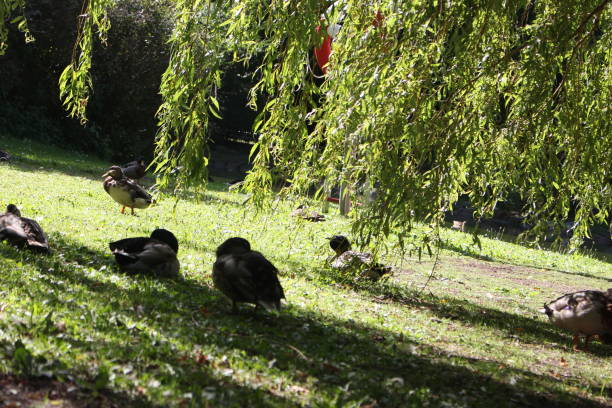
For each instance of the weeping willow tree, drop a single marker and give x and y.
(426, 100)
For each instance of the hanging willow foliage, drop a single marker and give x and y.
(439, 99)
(8, 12)
(75, 81)
(427, 102)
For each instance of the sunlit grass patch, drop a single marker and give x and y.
(472, 337)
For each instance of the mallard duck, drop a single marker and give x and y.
(308, 215)
(125, 191)
(149, 255)
(459, 225)
(135, 170)
(587, 313)
(22, 231)
(4, 156)
(362, 262)
(246, 276)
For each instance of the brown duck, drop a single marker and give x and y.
(125, 191)
(585, 313)
(21, 231)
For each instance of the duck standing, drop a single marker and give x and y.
(585, 313)
(154, 255)
(22, 231)
(125, 191)
(246, 276)
(362, 262)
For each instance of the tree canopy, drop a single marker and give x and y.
(430, 101)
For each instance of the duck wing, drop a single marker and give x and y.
(129, 245)
(37, 239)
(234, 279)
(265, 276)
(137, 191)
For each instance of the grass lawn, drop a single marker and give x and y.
(93, 336)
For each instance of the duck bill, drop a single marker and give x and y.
(105, 175)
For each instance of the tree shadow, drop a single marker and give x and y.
(525, 329)
(184, 324)
(21, 390)
(57, 165)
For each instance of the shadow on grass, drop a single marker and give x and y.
(67, 167)
(525, 329)
(38, 391)
(473, 253)
(235, 359)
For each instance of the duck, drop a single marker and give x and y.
(362, 262)
(155, 255)
(246, 276)
(4, 156)
(125, 191)
(21, 231)
(135, 170)
(584, 313)
(302, 212)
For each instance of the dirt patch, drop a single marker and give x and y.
(521, 275)
(44, 392)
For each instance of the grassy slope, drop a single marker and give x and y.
(478, 342)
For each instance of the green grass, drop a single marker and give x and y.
(473, 338)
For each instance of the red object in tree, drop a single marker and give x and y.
(322, 53)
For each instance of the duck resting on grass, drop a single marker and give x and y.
(302, 212)
(585, 313)
(155, 255)
(246, 276)
(4, 156)
(135, 170)
(21, 231)
(362, 262)
(125, 191)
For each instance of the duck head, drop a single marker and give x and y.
(115, 172)
(340, 244)
(12, 208)
(234, 245)
(166, 237)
